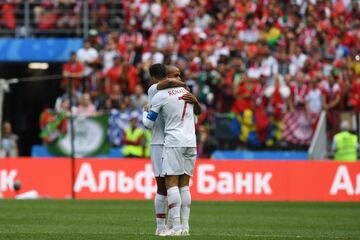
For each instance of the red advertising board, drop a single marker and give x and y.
(212, 180)
(48, 177)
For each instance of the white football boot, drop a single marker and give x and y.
(160, 232)
(172, 232)
(185, 232)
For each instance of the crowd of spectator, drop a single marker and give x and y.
(274, 64)
(63, 17)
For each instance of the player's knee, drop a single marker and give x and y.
(184, 180)
(171, 181)
(161, 187)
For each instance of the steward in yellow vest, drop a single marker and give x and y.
(345, 145)
(133, 139)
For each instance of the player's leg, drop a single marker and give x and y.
(172, 167)
(185, 195)
(174, 201)
(189, 155)
(160, 205)
(160, 201)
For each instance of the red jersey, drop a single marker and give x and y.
(73, 68)
(298, 94)
(241, 104)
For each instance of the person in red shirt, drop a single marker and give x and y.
(8, 15)
(242, 95)
(130, 77)
(48, 17)
(277, 100)
(113, 75)
(259, 104)
(331, 99)
(354, 96)
(298, 90)
(73, 69)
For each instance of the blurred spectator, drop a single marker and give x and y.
(9, 141)
(202, 19)
(299, 91)
(113, 75)
(164, 37)
(250, 33)
(73, 70)
(207, 144)
(109, 55)
(129, 76)
(134, 138)
(47, 16)
(128, 41)
(8, 19)
(153, 54)
(354, 96)
(76, 96)
(242, 95)
(345, 144)
(116, 96)
(86, 108)
(331, 98)
(314, 103)
(88, 56)
(138, 98)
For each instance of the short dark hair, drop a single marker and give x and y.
(158, 71)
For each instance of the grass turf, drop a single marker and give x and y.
(68, 219)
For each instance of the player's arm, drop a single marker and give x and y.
(170, 83)
(150, 116)
(189, 98)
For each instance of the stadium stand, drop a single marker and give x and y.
(263, 70)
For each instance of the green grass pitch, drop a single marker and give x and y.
(69, 219)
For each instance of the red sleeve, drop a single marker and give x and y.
(66, 67)
(79, 68)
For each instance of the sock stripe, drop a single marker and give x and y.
(160, 215)
(172, 205)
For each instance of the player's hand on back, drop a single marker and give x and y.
(146, 108)
(189, 98)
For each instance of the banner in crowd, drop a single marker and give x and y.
(90, 138)
(212, 180)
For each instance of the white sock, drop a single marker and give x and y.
(185, 206)
(160, 210)
(174, 203)
(169, 223)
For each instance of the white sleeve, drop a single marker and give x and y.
(148, 124)
(152, 91)
(150, 117)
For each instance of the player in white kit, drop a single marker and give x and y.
(158, 73)
(179, 152)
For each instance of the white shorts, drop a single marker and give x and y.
(178, 160)
(156, 159)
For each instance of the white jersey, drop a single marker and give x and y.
(178, 117)
(157, 132)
